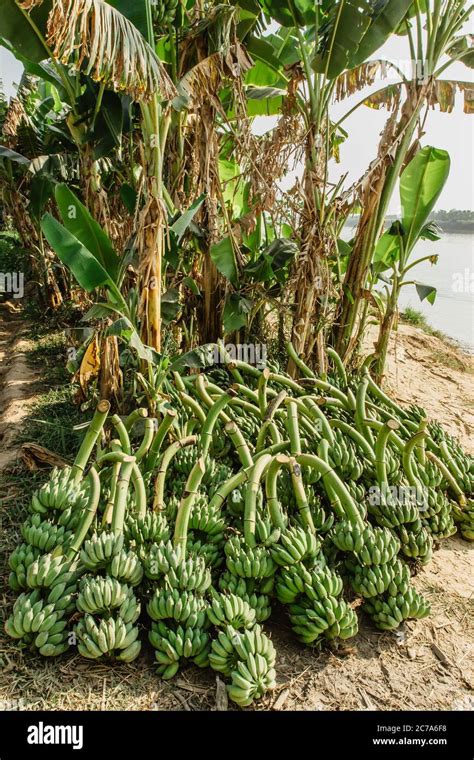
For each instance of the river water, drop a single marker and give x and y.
(453, 276)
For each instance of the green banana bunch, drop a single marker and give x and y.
(295, 545)
(464, 517)
(343, 456)
(248, 591)
(248, 658)
(20, 560)
(126, 567)
(59, 493)
(161, 558)
(206, 520)
(266, 533)
(100, 549)
(372, 546)
(391, 512)
(44, 534)
(373, 580)
(37, 622)
(98, 594)
(441, 525)
(184, 607)
(48, 570)
(151, 528)
(380, 546)
(189, 575)
(317, 583)
(389, 612)
(429, 474)
(110, 637)
(329, 617)
(164, 11)
(246, 561)
(174, 645)
(322, 521)
(348, 537)
(229, 609)
(358, 493)
(416, 542)
(434, 503)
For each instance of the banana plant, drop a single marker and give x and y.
(421, 184)
(435, 41)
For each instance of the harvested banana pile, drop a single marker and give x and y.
(253, 489)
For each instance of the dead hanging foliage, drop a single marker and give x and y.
(14, 116)
(93, 36)
(28, 5)
(354, 80)
(443, 95)
(271, 155)
(388, 97)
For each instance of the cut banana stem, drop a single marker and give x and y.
(212, 416)
(194, 406)
(262, 391)
(304, 369)
(420, 449)
(168, 454)
(107, 516)
(407, 458)
(122, 433)
(395, 439)
(386, 415)
(444, 451)
(189, 497)
(356, 437)
(311, 409)
(228, 486)
(450, 480)
(251, 491)
(274, 405)
(268, 428)
(292, 426)
(322, 385)
(286, 381)
(157, 442)
(93, 432)
(381, 396)
(146, 441)
(243, 390)
(232, 367)
(273, 503)
(138, 414)
(90, 512)
(338, 365)
(241, 446)
(121, 492)
(334, 500)
(300, 493)
(360, 412)
(381, 450)
(140, 490)
(337, 486)
(178, 381)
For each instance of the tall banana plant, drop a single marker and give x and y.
(421, 184)
(324, 39)
(432, 28)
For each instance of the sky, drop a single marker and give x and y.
(453, 132)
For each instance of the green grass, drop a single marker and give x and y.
(417, 319)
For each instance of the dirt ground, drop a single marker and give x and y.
(427, 665)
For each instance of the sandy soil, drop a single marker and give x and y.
(427, 665)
